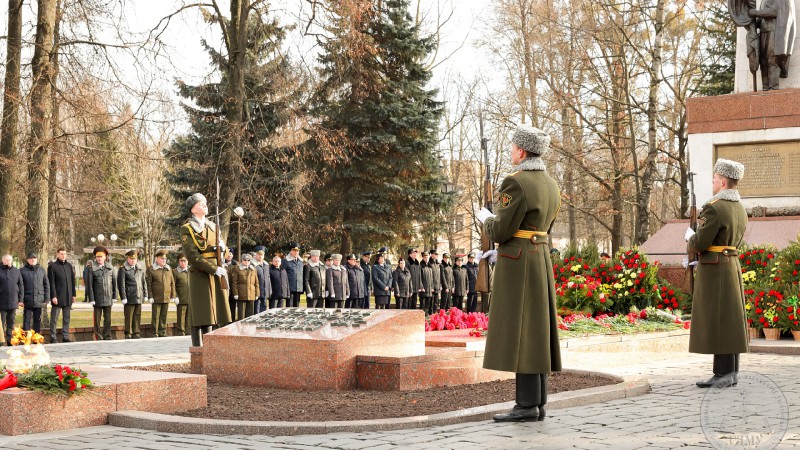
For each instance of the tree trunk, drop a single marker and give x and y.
(41, 130)
(54, 154)
(8, 130)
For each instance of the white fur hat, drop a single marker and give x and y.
(531, 140)
(729, 169)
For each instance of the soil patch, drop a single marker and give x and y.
(270, 404)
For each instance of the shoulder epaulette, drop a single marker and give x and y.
(713, 201)
(515, 173)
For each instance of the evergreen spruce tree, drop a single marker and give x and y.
(269, 169)
(719, 47)
(375, 108)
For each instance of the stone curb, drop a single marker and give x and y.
(789, 350)
(628, 387)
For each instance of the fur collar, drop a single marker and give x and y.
(157, 267)
(128, 266)
(412, 261)
(314, 264)
(731, 195)
(338, 268)
(96, 266)
(291, 258)
(531, 164)
(243, 267)
(198, 226)
(179, 270)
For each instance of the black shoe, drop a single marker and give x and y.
(66, 341)
(518, 414)
(542, 413)
(723, 381)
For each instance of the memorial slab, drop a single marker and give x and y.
(294, 348)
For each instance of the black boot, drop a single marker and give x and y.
(543, 400)
(197, 337)
(528, 395)
(724, 372)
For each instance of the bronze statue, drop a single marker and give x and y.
(770, 37)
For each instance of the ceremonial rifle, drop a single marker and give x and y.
(693, 226)
(483, 282)
(223, 281)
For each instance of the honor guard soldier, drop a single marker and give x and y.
(133, 292)
(161, 287)
(523, 306)
(209, 302)
(719, 326)
(181, 276)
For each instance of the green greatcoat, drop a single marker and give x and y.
(181, 285)
(523, 332)
(719, 325)
(208, 301)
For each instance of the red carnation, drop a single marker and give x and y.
(72, 385)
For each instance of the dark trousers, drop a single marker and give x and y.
(531, 390)
(244, 309)
(158, 319)
(102, 332)
(316, 302)
(365, 303)
(400, 302)
(348, 303)
(261, 305)
(294, 300)
(133, 318)
(472, 301)
(56, 311)
(725, 364)
(275, 303)
(446, 301)
(183, 320)
(412, 301)
(232, 306)
(425, 303)
(458, 301)
(32, 316)
(8, 316)
(333, 303)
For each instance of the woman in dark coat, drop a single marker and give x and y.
(402, 284)
(337, 282)
(279, 280)
(381, 282)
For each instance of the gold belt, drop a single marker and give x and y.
(726, 250)
(209, 254)
(529, 234)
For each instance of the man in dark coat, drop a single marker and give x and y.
(355, 279)
(382, 281)
(133, 292)
(719, 326)
(401, 284)
(264, 286)
(279, 281)
(416, 280)
(460, 283)
(11, 294)
(446, 277)
(315, 276)
(436, 295)
(294, 271)
(37, 292)
(472, 277)
(61, 276)
(363, 302)
(524, 336)
(426, 282)
(101, 290)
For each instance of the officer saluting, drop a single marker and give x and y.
(209, 302)
(524, 336)
(719, 326)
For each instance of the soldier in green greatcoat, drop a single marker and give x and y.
(181, 276)
(209, 302)
(719, 325)
(523, 337)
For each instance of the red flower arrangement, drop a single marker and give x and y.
(456, 319)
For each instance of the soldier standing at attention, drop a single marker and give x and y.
(416, 279)
(523, 307)
(133, 292)
(264, 286)
(719, 326)
(363, 301)
(294, 271)
(446, 276)
(472, 278)
(101, 290)
(181, 276)
(436, 294)
(161, 287)
(460, 283)
(209, 302)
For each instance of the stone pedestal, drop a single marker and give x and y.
(325, 358)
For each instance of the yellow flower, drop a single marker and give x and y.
(747, 306)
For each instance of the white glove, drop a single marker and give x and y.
(152, 300)
(326, 294)
(484, 214)
(309, 295)
(221, 272)
(236, 297)
(124, 301)
(176, 300)
(91, 303)
(491, 254)
(685, 263)
(689, 233)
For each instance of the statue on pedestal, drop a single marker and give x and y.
(770, 37)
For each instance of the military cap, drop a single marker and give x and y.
(181, 256)
(161, 253)
(366, 253)
(327, 257)
(411, 250)
(729, 169)
(383, 250)
(337, 256)
(532, 140)
(471, 255)
(351, 257)
(132, 254)
(260, 249)
(246, 257)
(294, 246)
(425, 253)
(32, 255)
(434, 252)
(314, 253)
(446, 255)
(195, 199)
(459, 258)
(100, 249)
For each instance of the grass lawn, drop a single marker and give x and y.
(83, 318)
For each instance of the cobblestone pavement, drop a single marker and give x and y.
(121, 352)
(668, 417)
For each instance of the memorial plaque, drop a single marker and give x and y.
(770, 169)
